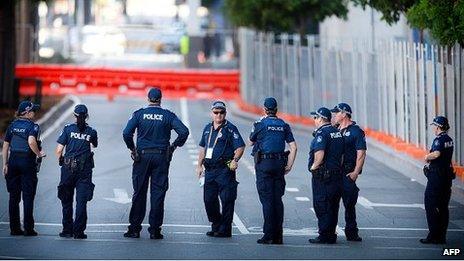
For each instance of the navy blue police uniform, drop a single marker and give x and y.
(354, 139)
(151, 164)
(220, 181)
(327, 181)
(269, 135)
(22, 169)
(76, 174)
(439, 181)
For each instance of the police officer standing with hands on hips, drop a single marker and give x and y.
(353, 161)
(152, 158)
(440, 174)
(325, 164)
(221, 148)
(76, 172)
(21, 154)
(272, 163)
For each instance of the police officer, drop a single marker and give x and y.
(269, 135)
(353, 161)
(152, 158)
(440, 174)
(76, 172)
(221, 148)
(21, 153)
(325, 164)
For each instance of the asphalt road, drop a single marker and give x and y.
(390, 211)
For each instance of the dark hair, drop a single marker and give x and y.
(445, 127)
(80, 120)
(271, 111)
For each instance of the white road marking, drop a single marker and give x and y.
(369, 205)
(390, 237)
(292, 189)
(118, 224)
(302, 198)
(11, 257)
(314, 211)
(184, 112)
(412, 180)
(120, 196)
(238, 222)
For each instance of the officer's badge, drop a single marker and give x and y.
(235, 135)
(319, 139)
(347, 133)
(219, 135)
(437, 142)
(36, 127)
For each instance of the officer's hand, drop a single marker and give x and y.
(352, 175)
(287, 169)
(233, 165)
(5, 170)
(199, 171)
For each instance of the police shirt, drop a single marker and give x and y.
(355, 140)
(329, 139)
(18, 133)
(270, 134)
(154, 125)
(444, 144)
(77, 142)
(228, 140)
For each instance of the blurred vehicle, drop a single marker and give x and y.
(103, 40)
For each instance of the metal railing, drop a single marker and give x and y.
(395, 87)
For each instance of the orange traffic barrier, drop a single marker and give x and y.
(63, 79)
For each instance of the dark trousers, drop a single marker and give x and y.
(436, 199)
(326, 202)
(350, 197)
(220, 183)
(21, 178)
(81, 182)
(270, 182)
(152, 169)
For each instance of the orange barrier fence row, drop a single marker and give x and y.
(62, 79)
(393, 142)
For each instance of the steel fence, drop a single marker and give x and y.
(395, 87)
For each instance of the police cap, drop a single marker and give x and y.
(27, 106)
(322, 112)
(154, 94)
(342, 107)
(270, 103)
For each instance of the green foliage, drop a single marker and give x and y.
(391, 9)
(283, 15)
(443, 18)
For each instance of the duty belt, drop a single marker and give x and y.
(273, 156)
(152, 151)
(215, 165)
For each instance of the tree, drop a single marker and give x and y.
(443, 18)
(283, 15)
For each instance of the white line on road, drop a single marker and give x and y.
(369, 205)
(117, 224)
(11, 257)
(302, 198)
(61, 119)
(238, 222)
(120, 196)
(292, 189)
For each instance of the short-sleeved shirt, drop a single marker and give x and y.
(18, 134)
(330, 140)
(77, 142)
(355, 140)
(228, 140)
(444, 144)
(154, 125)
(270, 134)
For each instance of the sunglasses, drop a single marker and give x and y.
(219, 112)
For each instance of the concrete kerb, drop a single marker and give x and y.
(400, 162)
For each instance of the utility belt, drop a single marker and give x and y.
(324, 174)
(152, 151)
(22, 153)
(218, 164)
(77, 163)
(169, 152)
(445, 171)
(258, 156)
